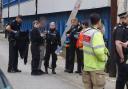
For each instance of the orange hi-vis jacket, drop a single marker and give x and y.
(79, 43)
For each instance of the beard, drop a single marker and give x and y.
(52, 29)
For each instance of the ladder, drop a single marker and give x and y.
(68, 24)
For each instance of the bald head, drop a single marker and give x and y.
(74, 21)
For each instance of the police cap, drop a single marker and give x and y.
(122, 15)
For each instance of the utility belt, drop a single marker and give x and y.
(14, 35)
(11, 39)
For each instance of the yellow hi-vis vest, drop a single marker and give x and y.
(95, 52)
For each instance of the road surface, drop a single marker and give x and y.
(24, 80)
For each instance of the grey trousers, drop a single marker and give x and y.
(42, 54)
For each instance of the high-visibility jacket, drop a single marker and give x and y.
(79, 43)
(95, 52)
(80, 39)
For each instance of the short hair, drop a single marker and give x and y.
(36, 22)
(19, 16)
(95, 18)
(85, 22)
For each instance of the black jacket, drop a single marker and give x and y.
(36, 37)
(16, 27)
(53, 39)
(74, 30)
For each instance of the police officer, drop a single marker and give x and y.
(120, 37)
(73, 36)
(52, 41)
(36, 41)
(13, 28)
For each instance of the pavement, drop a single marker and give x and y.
(24, 80)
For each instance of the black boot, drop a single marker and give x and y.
(46, 70)
(41, 71)
(78, 72)
(36, 72)
(53, 71)
(17, 70)
(11, 70)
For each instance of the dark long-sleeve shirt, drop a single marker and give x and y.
(36, 37)
(74, 32)
(53, 39)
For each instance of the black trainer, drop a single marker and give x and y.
(66, 70)
(36, 73)
(53, 71)
(17, 70)
(70, 71)
(41, 71)
(11, 71)
(78, 72)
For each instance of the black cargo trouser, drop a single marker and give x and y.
(50, 51)
(35, 50)
(13, 55)
(79, 53)
(122, 77)
(67, 62)
(80, 61)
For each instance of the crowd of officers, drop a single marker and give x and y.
(85, 39)
(40, 40)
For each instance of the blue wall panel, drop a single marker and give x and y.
(5, 2)
(12, 2)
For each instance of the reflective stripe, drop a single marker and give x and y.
(86, 44)
(99, 46)
(96, 47)
(90, 53)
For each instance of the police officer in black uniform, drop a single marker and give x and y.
(14, 28)
(74, 32)
(36, 41)
(52, 41)
(120, 36)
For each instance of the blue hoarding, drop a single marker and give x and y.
(5, 2)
